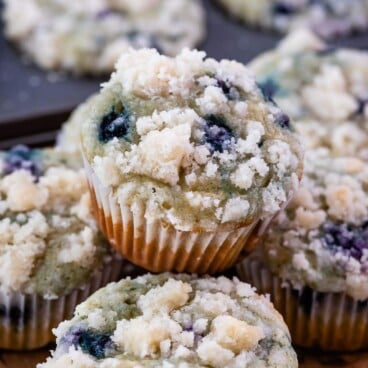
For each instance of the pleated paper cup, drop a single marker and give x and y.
(328, 321)
(158, 246)
(26, 320)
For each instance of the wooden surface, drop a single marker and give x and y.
(307, 360)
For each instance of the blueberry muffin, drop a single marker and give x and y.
(314, 258)
(323, 89)
(52, 255)
(69, 138)
(328, 18)
(174, 321)
(186, 159)
(88, 36)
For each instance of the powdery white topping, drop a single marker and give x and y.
(88, 36)
(246, 331)
(37, 213)
(200, 133)
(324, 90)
(302, 247)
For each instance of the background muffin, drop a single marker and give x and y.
(185, 158)
(323, 89)
(314, 260)
(88, 37)
(174, 321)
(52, 255)
(328, 18)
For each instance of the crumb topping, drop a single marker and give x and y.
(89, 36)
(323, 89)
(320, 239)
(45, 221)
(189, 132)
(246, 331)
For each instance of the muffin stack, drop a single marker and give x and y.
(187, 162)
(190, 165)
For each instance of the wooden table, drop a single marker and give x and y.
(307, 359)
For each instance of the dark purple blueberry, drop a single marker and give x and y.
(140, 39)
(114, 124)
(362, 103)
(230, 91)
(217, 133)
(21, 157)
(283, 8)
(104, 13)
(90, 342)
(269, 89)
(283, 121)
(351, 240)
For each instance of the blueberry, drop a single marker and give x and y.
(114, 124)
(141, 39)
(283, 8)
(217, 133)
(21, 157)
(90, 342)
(269, 89)
(230, 91)
(351, 240)
(362, 103)
(283, 121)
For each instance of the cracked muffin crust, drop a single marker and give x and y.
(174, 321)
(88, 36)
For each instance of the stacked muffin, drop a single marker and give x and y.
(52, 255)
(313, 260)
(187, 162)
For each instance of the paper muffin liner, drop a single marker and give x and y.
(26, 320)
(328, 321)
(158, 246)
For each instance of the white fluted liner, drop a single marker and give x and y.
(329, 321)
(26, 320)
(159, 247)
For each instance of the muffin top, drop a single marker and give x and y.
(328, 18)
(323, 89)
(49, 242)
(174, 321)
(192, 138)
(321, 239)
(88, 36)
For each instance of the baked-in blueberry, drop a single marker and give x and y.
(229, 90)
(283, 8)
(21, 157)
(362, 103)
(217, 133)
(90, 342)
(283, 121)
(141, 39)
(269, 89)
(114, 124)
(349, 239)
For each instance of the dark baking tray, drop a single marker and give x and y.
(33, 103)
